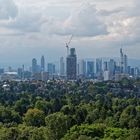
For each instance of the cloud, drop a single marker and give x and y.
(83, 21)
(8, 9)
(24, 22)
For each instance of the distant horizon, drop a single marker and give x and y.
(131, 62)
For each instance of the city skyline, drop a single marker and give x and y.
(95, 26)
(71, 68)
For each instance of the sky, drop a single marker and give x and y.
(32, 28)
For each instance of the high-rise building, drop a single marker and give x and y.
(122, 61)
(34, 66)
(105, 66)
(62, 67)
(71, 65)
(125, 64)
(112, 66)
(90, 69)
(99, 68)
(81, 68)
(1, 71)
(51, 69)
(42, 64)
(129, 70)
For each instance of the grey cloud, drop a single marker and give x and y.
(82, 22)
(8, 9)
(111, 12)
(25, 22)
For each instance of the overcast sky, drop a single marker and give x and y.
(31, 28)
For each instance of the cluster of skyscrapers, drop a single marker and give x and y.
(70, 68)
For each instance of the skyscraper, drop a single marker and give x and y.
(62, 67)
(99, 68)
(42, 64)
(71, 65)
(90, 69)
(34, 66)
(124, 62)
(81, 69)
(51, 69)
(111, 69)
(105, 66)
(112, 66)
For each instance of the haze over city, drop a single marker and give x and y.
(31, 28)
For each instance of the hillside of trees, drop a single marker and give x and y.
(64, 110)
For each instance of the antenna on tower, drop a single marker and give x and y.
(68, 43)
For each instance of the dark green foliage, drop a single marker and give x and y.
(91, 131)
(34, 117)
(57, 124)
(80, 110)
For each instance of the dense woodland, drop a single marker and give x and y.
(62, 110)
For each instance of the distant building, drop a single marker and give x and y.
(81, 68)
(123, 63)
(106, 75)
(20, 73)
(42, 76)
(34, 66)
(1, 71)
(112, 68)
(105, 66)
(71, 65)
(42, 64)
(9, 76)
(99, 72)
(62, 67)
(51, 69)
(90, 69)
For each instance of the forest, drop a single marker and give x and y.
(70, 110)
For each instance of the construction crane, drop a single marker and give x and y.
(68, 43)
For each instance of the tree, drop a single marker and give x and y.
(44, 106)
(88, 131)
(34, 117)
(57, 124)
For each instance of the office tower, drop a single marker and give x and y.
(125, 64)
(137, 72)
(129, 70)
(99, 68)
(10, 69)
(98, 65)
(34, 66)
(1, 71)
(112, 66)
(133, 72)
(81, 68)
(122, 61)
(89, 69)
(42, 64)
(51, 69)
(106, 75)
(62, 67)
(105, 66)
(20, 72)
(71, 65)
